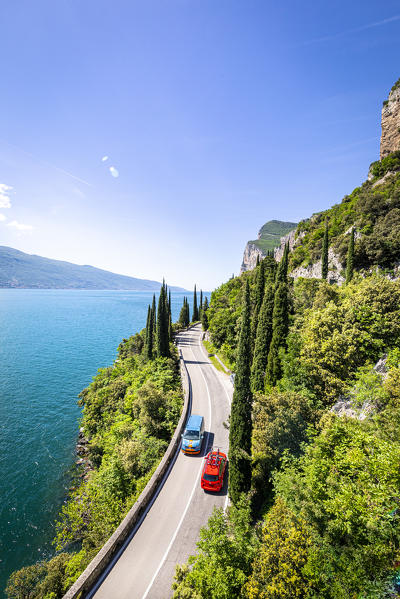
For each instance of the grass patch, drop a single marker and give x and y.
(211, 350)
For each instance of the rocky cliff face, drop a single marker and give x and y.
(335, 274)
(290, 238)
(269, 237)
(314, 271)
(390, 138)
(251, 251)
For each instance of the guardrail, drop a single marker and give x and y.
(99, 563)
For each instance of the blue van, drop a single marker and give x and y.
(192, 438)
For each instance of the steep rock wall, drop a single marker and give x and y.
(314, 271)
(290, 238)
(251, 251)
(390, 138)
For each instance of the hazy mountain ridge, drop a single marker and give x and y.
(21, 270)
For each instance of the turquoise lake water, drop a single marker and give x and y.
(52, 343)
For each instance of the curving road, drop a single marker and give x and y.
(170, 530)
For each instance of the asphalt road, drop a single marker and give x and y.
(170, 530)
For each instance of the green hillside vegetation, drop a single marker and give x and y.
(373, 209)
(322, 519)
(130, 412)
(270, 234)
(20, 270)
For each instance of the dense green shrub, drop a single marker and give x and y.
(280, 424)
(129, 413)
(335, 535)
(330, 341)
(346, 487)
(278, 569)
(222, 563)
(389, 163)
(368, 210)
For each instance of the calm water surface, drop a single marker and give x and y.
(51, 344)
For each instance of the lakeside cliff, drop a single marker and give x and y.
(317, 378)
(269, 237)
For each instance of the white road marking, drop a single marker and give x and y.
(116, 557)
(204, 352)
(229, 403)
(189, 500)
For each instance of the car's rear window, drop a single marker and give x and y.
(211, 477)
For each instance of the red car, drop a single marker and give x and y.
(212, 477)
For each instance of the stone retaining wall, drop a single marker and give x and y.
(115, 542)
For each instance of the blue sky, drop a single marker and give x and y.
(217, 115)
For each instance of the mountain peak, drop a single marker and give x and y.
(269, 237)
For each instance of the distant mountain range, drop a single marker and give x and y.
(20, 270)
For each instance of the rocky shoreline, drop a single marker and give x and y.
(82, 456)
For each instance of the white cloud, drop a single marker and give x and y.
(114, 171)
(104, 158)
(2, 217)
(4, 196)
(19, 226)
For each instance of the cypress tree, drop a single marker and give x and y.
(201, 302)
(325, 247)
(281, 274)
(260, 284)
(187, 312)
(280, 327)
(258, 260)
(148, 321)
(195, 314)
(170, 335)
(204, 316)
(184, 314)
(240, 427)
(167, 316)
(148, 348)
(162, 326)
(270, 269)
(183, 319)
(350, 258)
(154, 318)
(263, 340)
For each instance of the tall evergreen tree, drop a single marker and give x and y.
(263, 340)
(170, 335)
(258, 260)
(195, 314)
(325, 248)
(260, 284)
(154, 319)
(148, 347)
(280, 327)
(148, 321)
(350, 258)
(204, 316)
(187, 313)
(270, 269)
(281, 274)
(183, 320)
(162, 325)
(201, 302)
(240, 428)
